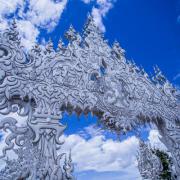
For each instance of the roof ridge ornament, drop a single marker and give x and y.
(90, 28)
(49, 47)
(13, 33)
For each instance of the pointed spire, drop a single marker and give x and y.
(118, 51)
(159, 78)
(61, 46)
(49, 46)
(143, 72)
(71, 33)
(70, 154)
(60, 43)
(13, 25)
(36, 49)
(91, 27)
(13, 34)
(68, 167)
(134, 67)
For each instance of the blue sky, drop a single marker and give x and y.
(149, 31)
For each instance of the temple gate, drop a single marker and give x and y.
(85, 76)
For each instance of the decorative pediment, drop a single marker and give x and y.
(86, 75)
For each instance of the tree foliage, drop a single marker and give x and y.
(166, 173)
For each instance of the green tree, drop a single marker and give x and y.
(166, 161)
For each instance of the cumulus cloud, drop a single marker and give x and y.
(28, 33)
(6, 9)
(107, 155)
(98, 153)
(101, 154)
(100, 11)
(45, 13)
(10, 6)
(31, 15)
(91, 131)
(98, 19)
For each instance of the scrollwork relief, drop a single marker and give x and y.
(86, 75)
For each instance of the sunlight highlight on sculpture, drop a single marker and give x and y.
(85, 76)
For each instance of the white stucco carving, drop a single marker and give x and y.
(87, 75)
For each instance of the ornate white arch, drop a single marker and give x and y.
(87, 75)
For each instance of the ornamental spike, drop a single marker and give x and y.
(49, 46)
(89, 78)
(13, 34)
(91, 27)
(117, 50)
(13, 24)
(68, 168)
(61, 45)
(36, 49)
(159, 78)
(71, 33)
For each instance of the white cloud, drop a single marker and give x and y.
(100, 11)
(3, 24)
(98, 19)
(28, 33)
(98, 153)
(102, 155)
(45, 13)
(7, 8)
(10, 6)
(107, 155)
(35, 14)
(91, 131)
(31, 15)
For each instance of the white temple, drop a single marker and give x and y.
(87, 75)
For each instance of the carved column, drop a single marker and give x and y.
(38, 152)
(47, 130)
